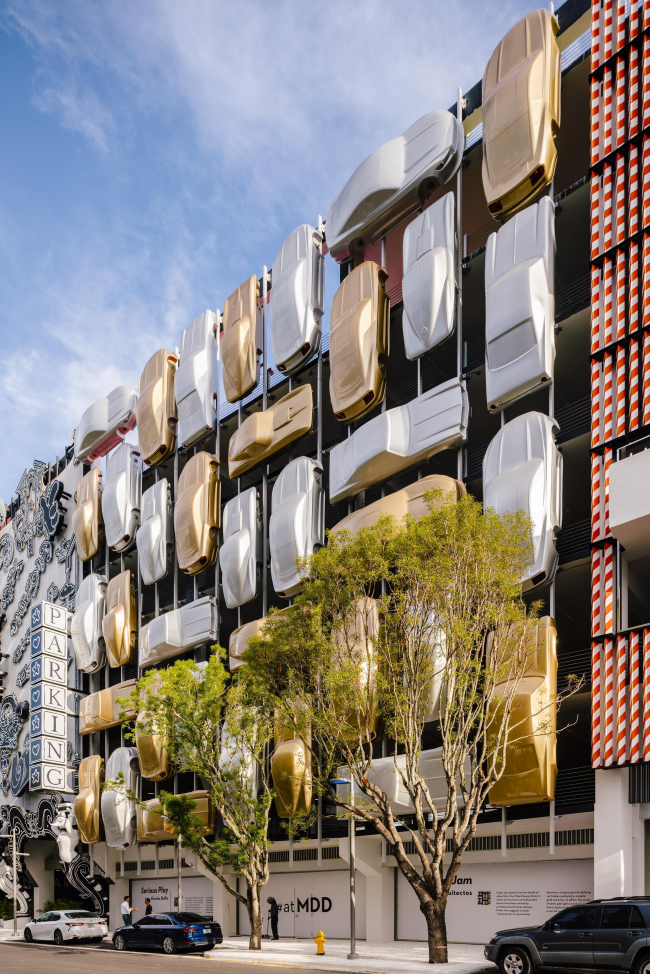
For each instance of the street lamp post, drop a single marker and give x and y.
(352, 835)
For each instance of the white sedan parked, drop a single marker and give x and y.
(62, 925)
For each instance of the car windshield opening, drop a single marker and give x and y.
(191, 918)
(81, 915)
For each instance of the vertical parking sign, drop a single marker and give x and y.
(48, 749)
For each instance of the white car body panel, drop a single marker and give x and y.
(86, 626)
(520, 305)
(105, 423)
(400, 438)
(429, 282)
(297, 523)
(194, 381)
(179, 630)
(119, 814)
(522, 471)
(297, 299)
(431, 148)
(240, 553)
(121, 499)
(154, 537)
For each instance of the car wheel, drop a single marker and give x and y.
(643, 965)
(169, 945)
(119, 942)
(515, 960)
(58, 938)
(27, 934)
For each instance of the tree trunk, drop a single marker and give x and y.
(434, 913)
(255, 920)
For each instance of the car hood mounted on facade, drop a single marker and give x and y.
(87, 519)
(521, 113)
(522, 471)
(408, 500)
(87, 802)
(520, 305)
(240, 553)
(120, 624)
(99, 711)
(119, 812)
(172, 633)
(104, 424)
(359, 342)
(154, 538)
(429, 281)
(238, 643)
(291, 769)
(86, 626)
(297, 524)
(152, 827)
(297, 299)
(121, 498)
(194, 381)
(197, 513)
(156, 410)
(271, 431)
(393, 181)
(241, 340)
(400, 438)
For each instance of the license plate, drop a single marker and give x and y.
(206, 930)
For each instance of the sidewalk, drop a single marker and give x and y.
(387, 958)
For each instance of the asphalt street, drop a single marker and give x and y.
(18, 958)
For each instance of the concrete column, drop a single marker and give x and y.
(380, 886)
(619, 846)
(116, 895)
(39, 851)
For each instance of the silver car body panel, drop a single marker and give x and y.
(429, 281)
(400, 438)
(118, 812)
(194, 381)
(297, 524)
(154, 537)
(240, 552)
(297, 299)
(522, 471)
(177, 631)
(520, 305)
(105, 423)
(121, 499)
(86, 626)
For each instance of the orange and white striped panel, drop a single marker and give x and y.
(596, 120)
(621, 390)
(635, 698)
(596, 592)
(633, 95)
(621, 294)
(608, 687)
(620, 102)
(608, 301)
(645, 198)
(646, 694)
(596, 404)
(621, 9)
(596, 222)
(608, 29)
(596, 703)
(620, 199)
(633, 317)
(596, 311)
(646, 14)
(608, 459)
(608, 188)
(645, 282)
(635, 417)
(597, 497)
(608, 588)
(633, 191)
(608, 108)
(595, 34)
(608, 397)
(635, 19)
(645, 379)
(621, 700)
(645, 83)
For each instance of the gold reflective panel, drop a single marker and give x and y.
(87, 520)
(197, 515)
(153, 757)
(99, 711)
(291, 770)
(521, 113)
(358, 639)
(358, 342)
(87, 802)
(120, 623)
(152, 827)
(155, 412)
(239, 641)
(409, 500)
(268, 432)
(531, 765)
(240, 340)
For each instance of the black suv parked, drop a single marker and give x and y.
(603, 935)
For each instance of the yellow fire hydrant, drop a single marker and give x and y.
(320, 942)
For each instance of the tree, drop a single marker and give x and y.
(211, 729)
(400, 624)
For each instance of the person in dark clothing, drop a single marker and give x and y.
(274, 911)
(148, 907)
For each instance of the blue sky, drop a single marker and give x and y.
(157, 153)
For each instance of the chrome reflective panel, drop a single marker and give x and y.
(241, 552)
(154, 537)
(297, 524)
(121, 499)
(86, 627)
(297, 299)
(195, 377)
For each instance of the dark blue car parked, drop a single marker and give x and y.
(170, 932)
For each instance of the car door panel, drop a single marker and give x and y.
(617, 938)
(161, 927)
(569, 940)
(140, 934)
(39, 930)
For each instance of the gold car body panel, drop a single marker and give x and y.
(87, 517)
(87, 802)
(267, 433)
(531, 764)
(360, 637)
(152, 827)
(120, 622)
(291, 768)
(358, 342)
(239, 641)
(153, 757)
(521, 113)
(409, 500)
(240, 340)
(100, 710)
(156, 414)
(197, 514)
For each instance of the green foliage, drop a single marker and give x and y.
(63, 903)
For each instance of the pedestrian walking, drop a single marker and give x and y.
(148, 908)
(274, 911)
(126, 909)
